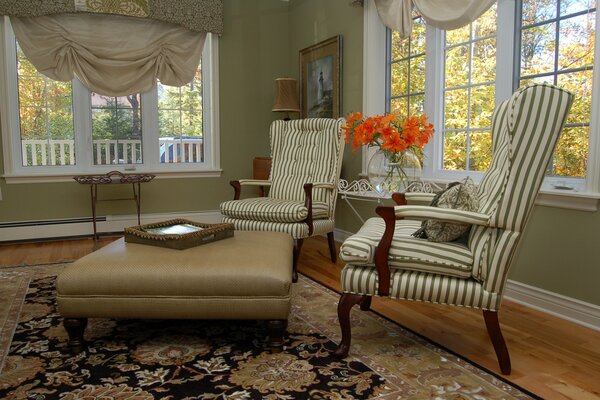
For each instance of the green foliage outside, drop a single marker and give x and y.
(469, 98)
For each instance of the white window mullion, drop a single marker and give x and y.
(150, 135)
(374, 65)
(210, 99)
(10, 109)
(593, 171)
(434, 99)
(82, 122)
(505, 50)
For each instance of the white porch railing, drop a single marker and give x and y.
(106, 152)
(59, 152)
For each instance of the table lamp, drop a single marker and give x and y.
(286, 96)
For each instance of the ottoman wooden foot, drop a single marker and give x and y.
(276, 330)
(75, 328)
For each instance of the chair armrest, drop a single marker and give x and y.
(419, 197)
(391, 214)
(254, 182)
(323, 185)
(442, 214)
(237, 185)
(308, 188)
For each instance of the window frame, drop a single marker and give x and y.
(586, 194)
(15, 172)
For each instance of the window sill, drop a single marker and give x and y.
(57, 178)
(567, 199)
(582, 201)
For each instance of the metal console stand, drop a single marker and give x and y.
(114, 177)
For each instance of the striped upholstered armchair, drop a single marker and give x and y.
(383, 259)
(306, 164)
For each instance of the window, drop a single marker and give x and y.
(407, 70)
(55, 129)
(557, 46)
(469, 70)
(46, 117)
(116, 129)
(469, 91)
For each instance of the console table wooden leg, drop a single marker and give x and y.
(276, 330)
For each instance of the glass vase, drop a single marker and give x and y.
(390, 173)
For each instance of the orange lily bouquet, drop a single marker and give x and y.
(400, 141)
(391, 133)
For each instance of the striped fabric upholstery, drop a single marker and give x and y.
(407, 252)
(421, 286)
(302, 151)
(272, 210)
(298, 230)
(525, 130)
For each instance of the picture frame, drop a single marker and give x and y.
(321, 79)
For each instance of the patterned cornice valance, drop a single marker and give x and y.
(196, 15)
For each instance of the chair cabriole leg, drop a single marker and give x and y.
(493, 328)
(332, 249)
(347, 301)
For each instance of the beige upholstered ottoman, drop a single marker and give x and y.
(244, 277)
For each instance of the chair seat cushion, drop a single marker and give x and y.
(272, 210)
(407, 252)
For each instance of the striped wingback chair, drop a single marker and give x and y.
(383, 259)
(306, 165)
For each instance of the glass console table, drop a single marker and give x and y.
(362, 190)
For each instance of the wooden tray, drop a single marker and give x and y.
(177, 233)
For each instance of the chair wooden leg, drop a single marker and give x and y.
(297, 249)
(493, 328)
(347, 301)
(332, 249)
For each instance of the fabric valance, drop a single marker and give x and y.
(111, 55)
(443, 14)
(196, 15)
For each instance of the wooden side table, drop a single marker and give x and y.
(261, 169)
(114, 177)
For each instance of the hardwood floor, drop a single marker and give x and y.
(551, 357)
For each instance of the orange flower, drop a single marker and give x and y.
(391, 133)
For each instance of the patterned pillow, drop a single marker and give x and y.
(459, 196)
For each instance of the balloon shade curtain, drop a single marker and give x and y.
(111, 55)
(443, 14)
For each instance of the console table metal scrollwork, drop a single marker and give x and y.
(114, 177)
(362, 190)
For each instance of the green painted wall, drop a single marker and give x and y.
(560, 249)
(253, 52)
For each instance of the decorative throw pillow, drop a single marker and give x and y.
(459, 196)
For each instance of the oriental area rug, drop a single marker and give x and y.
(142, 360)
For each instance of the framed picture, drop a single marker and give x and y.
(320, 79)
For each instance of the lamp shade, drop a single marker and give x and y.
(286, 95)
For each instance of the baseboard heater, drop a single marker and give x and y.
(22, 224)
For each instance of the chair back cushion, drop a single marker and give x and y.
(306, 151)
(525, 130)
